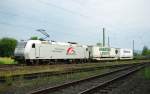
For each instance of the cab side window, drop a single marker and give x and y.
(86, 49)
(116, 51)
(33, 45)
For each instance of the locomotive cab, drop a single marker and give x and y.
(19, 50)
(24, 50)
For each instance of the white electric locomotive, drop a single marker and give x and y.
(36, 50)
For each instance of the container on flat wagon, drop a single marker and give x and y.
(125, 53)
(102, 53)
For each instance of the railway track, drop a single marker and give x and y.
(6, 67)
(91, 84)
(48, 74)
(105, 87)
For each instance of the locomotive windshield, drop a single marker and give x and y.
(21, 44)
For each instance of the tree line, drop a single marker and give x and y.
(7, 47)
(145, 51)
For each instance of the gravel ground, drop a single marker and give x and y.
(139, 83)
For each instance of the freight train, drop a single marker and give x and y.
(37, 51)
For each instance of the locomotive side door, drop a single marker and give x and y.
(37, 51)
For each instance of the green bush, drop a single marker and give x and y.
(145, 51)
(7, 47)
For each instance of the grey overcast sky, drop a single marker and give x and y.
(78, 20)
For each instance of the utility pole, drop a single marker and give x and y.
(133, 46)
(103, 37)
(108, 42)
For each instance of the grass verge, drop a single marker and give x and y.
(7, 60)
(18, 70)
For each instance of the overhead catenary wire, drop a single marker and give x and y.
(58, 7)
(64, 9)
(42, 21)
(89, 18)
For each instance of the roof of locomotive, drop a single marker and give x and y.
(56, 43)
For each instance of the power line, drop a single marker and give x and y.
(53, 5)
(30, 18)
(69, 11)
(64, 9)
(43, 21)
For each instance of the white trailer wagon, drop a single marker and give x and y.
(102, 53)
(124, 53)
